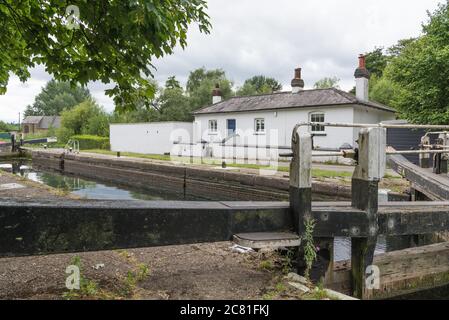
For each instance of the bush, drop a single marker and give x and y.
(92, 142)
(87, 118)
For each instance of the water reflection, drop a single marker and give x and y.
(343, 247)
(77, 186)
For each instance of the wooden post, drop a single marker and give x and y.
(424, 158)
(301, 204)
(301, 179)
(444, 156)
(369, 170)
(13, 143)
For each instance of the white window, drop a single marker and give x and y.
(317, 117)
(259, 125)
(213, 126)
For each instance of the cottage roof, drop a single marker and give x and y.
(44, 122)
(286, 100)
(32, 120)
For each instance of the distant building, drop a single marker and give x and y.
(40, 124)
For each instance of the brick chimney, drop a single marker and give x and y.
(297, 82)
(217, 96)
(362, 76)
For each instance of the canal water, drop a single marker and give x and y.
(87, 189)
(95, 190)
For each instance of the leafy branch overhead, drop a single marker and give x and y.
(113, 41)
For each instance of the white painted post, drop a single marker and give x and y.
(424, 158)
(301, 203)
(301, 178)
(365, 180)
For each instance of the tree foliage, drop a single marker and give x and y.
(376, 61)
(259, 85)
(56, 97)
(327, 82)
(420, 73)
(200, 84)
(174, 105)
(110, 41)
(86, 118)
(382, 90)
(5, 127)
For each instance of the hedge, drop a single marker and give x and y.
(92, 142)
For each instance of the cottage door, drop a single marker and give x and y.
(231, 126)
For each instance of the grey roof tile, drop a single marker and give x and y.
(285, 100)
(44, 122)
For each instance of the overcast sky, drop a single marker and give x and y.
(268, 37)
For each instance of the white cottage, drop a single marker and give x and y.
(260, 127)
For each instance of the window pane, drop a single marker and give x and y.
(213, 125)
(259, 125)
(317, 117)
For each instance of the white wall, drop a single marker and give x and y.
(278, 130)
(363, 114)
(159, 137)
(149, 138)
(278, 126)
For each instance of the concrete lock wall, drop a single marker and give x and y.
(149, 138)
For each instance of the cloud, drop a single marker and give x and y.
(268, 37)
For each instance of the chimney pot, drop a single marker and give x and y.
(297, 83)
(361, 71)
(298, 73)
(216, 94)
(362, 76)
(362, 61)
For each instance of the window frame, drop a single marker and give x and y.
(212, 129)
(262, 125)
(313, 127)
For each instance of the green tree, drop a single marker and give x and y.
(56, 97)
(200, 84)
(140, 114)
(259, 85)
(396, 50)
(382, 90)
(109, 41)
(142, 111)
(172, 83)
(5, 127)
(376, 61)
(85, 118)
(327, 82)
(173, 103)
(421, 73)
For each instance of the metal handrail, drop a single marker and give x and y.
(374, 125)
(72, 146)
